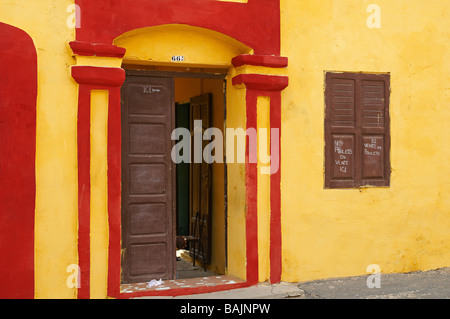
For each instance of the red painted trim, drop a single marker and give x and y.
(114, 191)
(184, 291)
(18, 93)
(262, 82)
(264, 86)
(271, 86)
(270, 61)
(251, 223)
(84, 190)
(256, 23)
(275, 196)
(98, 76)
(275, 182)
(96, 49)
(92, 77)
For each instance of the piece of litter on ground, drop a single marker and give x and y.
(154, 282)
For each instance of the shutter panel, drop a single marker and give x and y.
(356, 130)
(375, 134)
(341, 158)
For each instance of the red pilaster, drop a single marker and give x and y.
(110, 79)
(270, 86)
(251, 172)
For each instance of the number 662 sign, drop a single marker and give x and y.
(177, 58)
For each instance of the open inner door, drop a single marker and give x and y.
(200, 181)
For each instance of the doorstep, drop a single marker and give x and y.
(178, 287)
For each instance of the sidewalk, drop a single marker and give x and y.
(434, 284)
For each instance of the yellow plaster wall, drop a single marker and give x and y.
(236, 200)
(56, 153)
(157, 45)
(331, 233)
(263, 122)
(99, 234)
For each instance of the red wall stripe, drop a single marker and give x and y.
(251, 224)
(275, 195)
(18, 92)
(84, 190)
(114, 191)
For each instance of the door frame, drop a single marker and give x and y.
(111, 79)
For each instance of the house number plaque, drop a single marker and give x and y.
(177, 58)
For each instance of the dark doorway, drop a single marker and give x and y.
(182, 116)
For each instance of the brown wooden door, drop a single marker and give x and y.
(200, 177)
(148, 240)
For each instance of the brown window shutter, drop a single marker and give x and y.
(357, 138)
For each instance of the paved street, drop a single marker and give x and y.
(433, 284)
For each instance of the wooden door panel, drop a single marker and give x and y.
(148, 139)
(148, 240)
(147, 179)
(148, 218)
